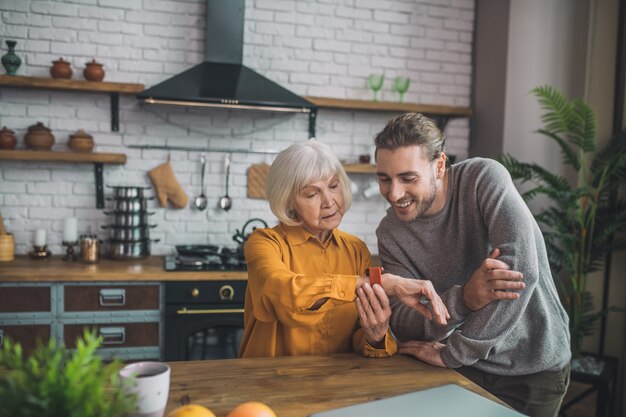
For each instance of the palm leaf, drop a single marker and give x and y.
(570, 156)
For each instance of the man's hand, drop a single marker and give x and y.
(491, 282)
(429, 352)
(372, 305)
(417, 294)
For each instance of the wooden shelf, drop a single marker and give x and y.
(51, 156)
(97, 159)
(76, 85)
(338, 103)
(359, 168)
(42, 83)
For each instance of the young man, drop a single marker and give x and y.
(467, 230)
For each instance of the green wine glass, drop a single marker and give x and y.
(401, 85)
(376, 83)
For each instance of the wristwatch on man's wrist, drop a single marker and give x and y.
(376, 275)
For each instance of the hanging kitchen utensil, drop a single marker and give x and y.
(201, 201)
(257, 178)
(225, 201)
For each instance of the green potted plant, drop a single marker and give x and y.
(54, 381)
(583, 219)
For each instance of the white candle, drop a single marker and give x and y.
(70, 230)
(40, 237)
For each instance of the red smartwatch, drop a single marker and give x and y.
(376, 275)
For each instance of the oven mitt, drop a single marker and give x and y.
(167, 186)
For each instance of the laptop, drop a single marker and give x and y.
(444, 401)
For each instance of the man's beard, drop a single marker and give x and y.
(422, 205)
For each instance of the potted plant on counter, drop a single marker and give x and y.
(54, 381)
(584, 219)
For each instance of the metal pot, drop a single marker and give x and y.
(127, 192)
(130, 205)
(126, 234)
(129, 250)
(141, 218)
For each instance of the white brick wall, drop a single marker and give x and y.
(318, 48)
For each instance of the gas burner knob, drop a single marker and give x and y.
(226, 292)
(195, 293)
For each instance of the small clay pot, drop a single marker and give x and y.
(61, 69)
(81, 141)
(39, 138)
(93, 71)
(7, 138)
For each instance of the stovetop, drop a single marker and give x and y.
(223, 259)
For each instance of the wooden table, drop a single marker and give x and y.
(298, 386)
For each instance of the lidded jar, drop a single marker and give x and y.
(39, 137)
(7, 138)
(81, 141)
(93, 71)
(61, 69)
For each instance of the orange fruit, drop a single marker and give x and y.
(252, 409)
(191, 410)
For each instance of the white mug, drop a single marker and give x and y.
(152, 386)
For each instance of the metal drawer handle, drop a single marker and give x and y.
(211, 311)
(112, 297)
(113, 335)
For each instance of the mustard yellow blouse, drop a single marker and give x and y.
(288, 271)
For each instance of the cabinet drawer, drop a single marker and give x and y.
(27, 334)
(116, 335)
(24, 299)
(111, 297)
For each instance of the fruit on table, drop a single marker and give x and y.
(252, 409)
(191, 410)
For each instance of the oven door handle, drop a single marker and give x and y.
(184, 310)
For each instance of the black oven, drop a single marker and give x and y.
(203, 319)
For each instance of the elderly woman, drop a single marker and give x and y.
(306, 278)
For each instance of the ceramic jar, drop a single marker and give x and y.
(61, 69)
(80, 141)
(10, 61)
(93, 71)
(39, 138)
(7, 138)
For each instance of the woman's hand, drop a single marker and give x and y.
(417, 294)
(372, 305)
(429, 352)
(492, 281)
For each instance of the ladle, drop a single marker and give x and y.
(225, 201)
(201, 201)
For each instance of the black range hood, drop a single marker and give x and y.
(222, 81)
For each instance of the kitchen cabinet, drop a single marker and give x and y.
(127, 315)
(43, 83)
(27, 313)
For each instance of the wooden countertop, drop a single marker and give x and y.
(55, 269)
(298, 386)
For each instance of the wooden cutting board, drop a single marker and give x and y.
(257, 177)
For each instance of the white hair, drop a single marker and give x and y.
(296, 167)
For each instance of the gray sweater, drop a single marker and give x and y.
(483, 210)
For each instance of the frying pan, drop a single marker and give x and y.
(197, 250)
